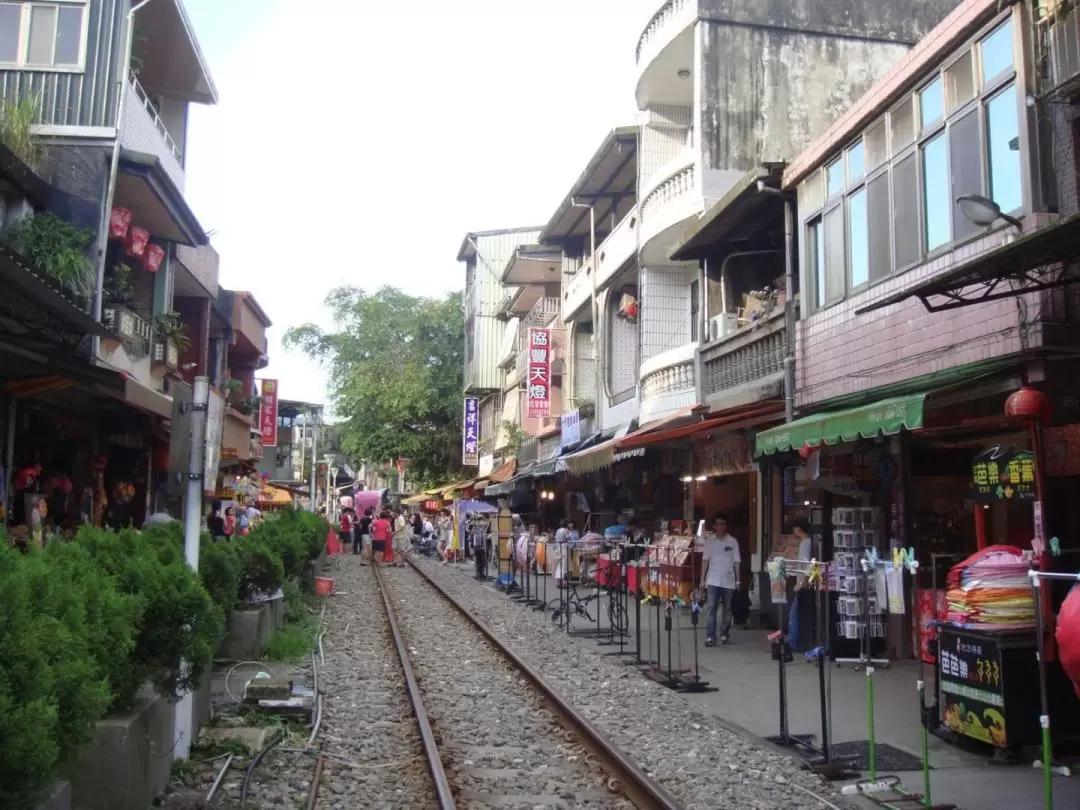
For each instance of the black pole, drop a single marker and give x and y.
(782, 640)
(823, 657)
(543, 600)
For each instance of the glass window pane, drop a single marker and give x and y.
(876, 146)
(937, 206)
(902, 121)
(10, 14)
(906, 212)
(817, 263)
(965, 159)
(810, 195)
(834, 178)
(69, 35)
(960, 82)
(997, 52)
(834, 255)
(856, 162)
(931, 104)
(1003, 148)
(42, 35)
(858, 238)
(877, 218)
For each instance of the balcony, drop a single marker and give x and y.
(198, 275)
(612, 254)
(143, 131)
(745, 366)
(665, 47)
(131, 349)
(667, 383)
(674, 197)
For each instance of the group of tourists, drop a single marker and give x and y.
(382, 538)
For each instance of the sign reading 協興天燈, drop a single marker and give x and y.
(268, 413)
(470, 433)
(538, 369)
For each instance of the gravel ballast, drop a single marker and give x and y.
(700, 761)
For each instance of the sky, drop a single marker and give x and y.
(356, 142)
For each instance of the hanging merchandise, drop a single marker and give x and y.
(137, 240)
(777, 569)
(990, 591)
(119, 222)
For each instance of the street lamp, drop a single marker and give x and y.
(983, 211)
(328, 460)
(333, 489)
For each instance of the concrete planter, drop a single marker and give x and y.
(128, 763)
(59, 799)
(247, 632)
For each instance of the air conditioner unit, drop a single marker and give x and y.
(723, 325)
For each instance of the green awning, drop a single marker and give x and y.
(885, 417)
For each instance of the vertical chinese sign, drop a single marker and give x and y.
(470, 433)
(538, 383)
(268, 413)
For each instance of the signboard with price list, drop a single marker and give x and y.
(982, 678)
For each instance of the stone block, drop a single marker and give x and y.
(128, 763)
(268, 689)
(247, 633)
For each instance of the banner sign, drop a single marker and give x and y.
(1002, 474)
(538, 383)
(570, 428)
(268, 413)
(470, 433)
(972, 688)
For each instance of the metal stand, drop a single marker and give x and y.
(542, 605)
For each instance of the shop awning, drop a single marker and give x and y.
(504, 473)
(732, 419)
(885, 417)
(1040, 260)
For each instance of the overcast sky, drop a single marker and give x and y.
(356, 143)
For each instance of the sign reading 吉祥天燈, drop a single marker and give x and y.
(1003, 474)
(538, 368)
(470, 433)
(972, 694)
(268, 412)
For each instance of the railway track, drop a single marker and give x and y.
(483, 726)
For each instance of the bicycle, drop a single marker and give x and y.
(563, 609)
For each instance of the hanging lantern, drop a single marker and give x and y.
(1029, 402)
(806, 451)
(119, 222)
(137, 240)
(155, 254)
(160, 458)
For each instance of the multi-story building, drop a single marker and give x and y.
(110, 83)
(485, 255)
(724, 87)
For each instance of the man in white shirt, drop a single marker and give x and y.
(720, 574)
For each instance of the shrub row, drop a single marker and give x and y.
(87, 623)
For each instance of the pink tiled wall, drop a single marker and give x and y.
(840, 353)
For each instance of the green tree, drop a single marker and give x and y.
(395, 365)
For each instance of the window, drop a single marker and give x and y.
(931, 104)
(937, 206)
(1003, 150)
(877, 218)
(902, 126)
(36, 35)
(877, 148)
(835, 270)
(815, 259)
(856, 162)
(965, 160)
(906, 212)
(858, 238)
(810, 193)
(834, 178)
(997, 52)
(960, 82)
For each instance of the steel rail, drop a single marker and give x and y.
(633, 782)
(443, 792)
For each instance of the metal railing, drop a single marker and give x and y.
(148, 105)
(131, 328)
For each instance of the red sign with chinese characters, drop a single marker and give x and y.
(268, 413)
(538, 368)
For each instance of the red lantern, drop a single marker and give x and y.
(806, 451)
(161, 457)
(119, 222)
(155, 254)
(137, 240)
(1029, 402)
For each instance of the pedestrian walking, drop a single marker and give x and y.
(401, 539)
(382, 539)
(720, 574)
(349, 538)
(363, 529)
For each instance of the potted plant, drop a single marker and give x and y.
(59, 250)
(248, 405)
(170, 339)
(118, 286)
(230, 388)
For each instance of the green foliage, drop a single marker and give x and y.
(17, 119)
(220, 569)
(169, 326)
(395, 366)
(178, 622)
(58, 249)
(261, 568)
(294, 641)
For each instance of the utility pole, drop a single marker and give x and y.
(314, 459)
(193, 504)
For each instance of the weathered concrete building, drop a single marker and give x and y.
(724, 86)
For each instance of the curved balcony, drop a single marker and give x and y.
(668, 383)
(611, 255)
(665, 48)
(675, 196)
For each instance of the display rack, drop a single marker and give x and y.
(860, 606)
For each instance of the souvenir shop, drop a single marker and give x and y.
(966, 489)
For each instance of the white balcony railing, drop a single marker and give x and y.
(668, 383)
(142, 130)
(658, 23)
(746, 365)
